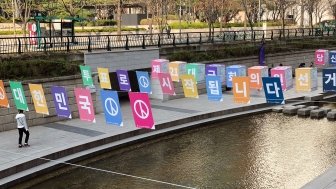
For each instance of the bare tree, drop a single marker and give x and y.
(250, 7)
(332, 7)
(310, 6)
(210, 10)
(320, 10)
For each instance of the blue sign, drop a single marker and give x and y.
(329, 79)
(273, 90)
(332, 57)
(234, 71)
(111, 107)
(144, 82)
(214, 88)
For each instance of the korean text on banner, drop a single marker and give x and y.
(159, 66)
(321, 57)
(166, 83)
(241, 89)
(61, 101)
(329, 79)
(104, 78)
(332, 58)
(85, 105)
(306, 79)
(123, 79)
(144, 82)
(141, 109)
(256, 73)
(18, 95)
(189, 86)
(176, 69)
(216, 69)
(273, 91)
(285, 75)
(234, 71)
(111, 106)
(86, 75)
(39, 100)
(214, 88)
(197, 70)
(3, 96)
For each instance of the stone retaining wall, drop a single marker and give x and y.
(7, 115)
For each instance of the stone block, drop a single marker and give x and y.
(314, 97)
(301, 106)
(290, 110)
(304, 112)
(326, 110)
(331, 116)
(317, 114)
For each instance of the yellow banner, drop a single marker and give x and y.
(174, 71)
(104, 78)
(189, 86)
(303, 79)
(39, 100)
(241, 89)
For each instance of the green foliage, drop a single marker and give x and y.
(10, 32)
(38, 67)
(107, 29)
(97, 23)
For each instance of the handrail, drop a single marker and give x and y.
(89, 43)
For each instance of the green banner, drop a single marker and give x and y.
(18, 95)
(86, 75)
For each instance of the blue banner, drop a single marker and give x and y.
(329, 79)
(111, 106)
(214, 88)
(144, 82)
(273, 90)
(332, 57)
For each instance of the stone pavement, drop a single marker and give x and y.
(55, 137)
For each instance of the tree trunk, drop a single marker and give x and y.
(119, 19)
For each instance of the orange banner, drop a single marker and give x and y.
(3, 97)
(241, 89)
(39, 100)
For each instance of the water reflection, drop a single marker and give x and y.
(263, 151)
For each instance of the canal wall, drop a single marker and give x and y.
(7, 115)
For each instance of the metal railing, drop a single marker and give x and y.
(109, 42)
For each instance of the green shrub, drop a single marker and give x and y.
(172, 17)
(186, 25)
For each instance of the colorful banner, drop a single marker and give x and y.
(104, 78)
(306, 79)
(189, 86)
(166, 83)
(159, 66)
(216, 70)
(111, 106)
(214, 88)
(176, 69)
(144, 82)
(124, 82)
(141, 109)
(86, 75)
(3, 96)
(18, 95)
(61, 102)
(321, 57)
(329, 79)
(85, 105)
(234, 71)
(32, 33)
(332, 58)
(273, 91)
(197, 70)
(256, 73)
(39, 100)
(285, 75)
(241, 89)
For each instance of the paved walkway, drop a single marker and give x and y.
(50, 138)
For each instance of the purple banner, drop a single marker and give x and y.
(211, 69)
(124, 82)
(61, 101)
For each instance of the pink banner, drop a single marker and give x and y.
(320, 57)
(85, 105)
(141, 109)
(166, 83)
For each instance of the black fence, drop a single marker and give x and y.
(109, 42)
